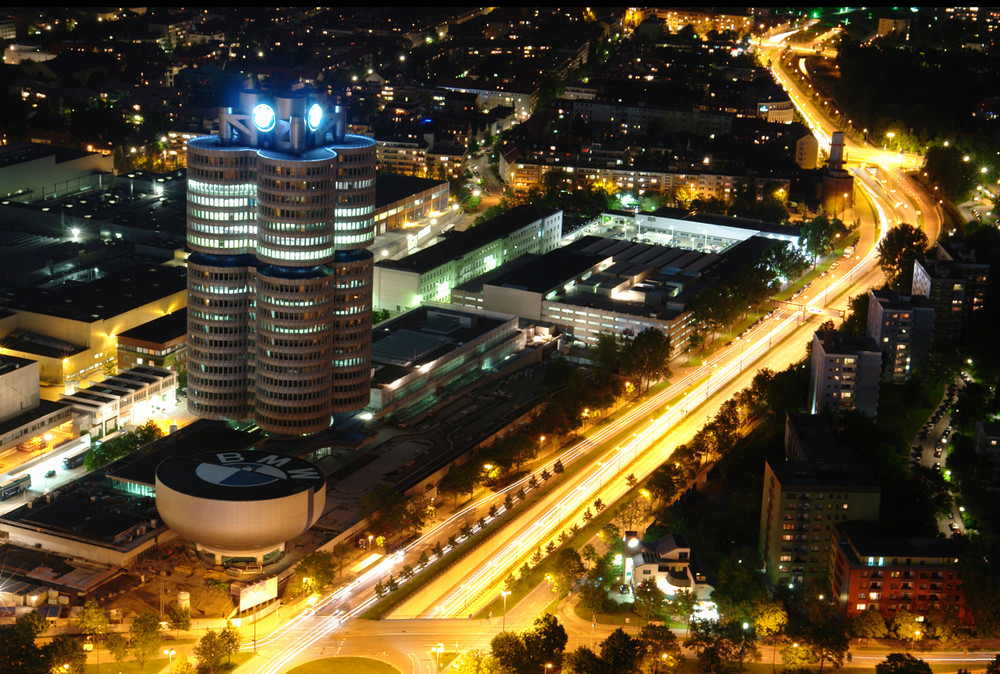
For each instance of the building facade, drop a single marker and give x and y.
(901, 326)
(876, 573)
(845, 373)
(280, 210)
(802, 502)
(955, 284)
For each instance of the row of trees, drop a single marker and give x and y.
(111, 450)
(646, 357)
(542, 647)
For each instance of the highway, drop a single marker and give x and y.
(637, 440)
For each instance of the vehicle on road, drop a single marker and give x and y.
(50, 473)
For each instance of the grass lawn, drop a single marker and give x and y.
(155, 665)
(345, 666)
(905, 407)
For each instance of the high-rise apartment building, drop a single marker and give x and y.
(280, 211)
(901, 326)
(845, 373)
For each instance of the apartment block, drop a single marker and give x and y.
(901, 326)
(845, 373)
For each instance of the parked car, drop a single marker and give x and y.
(50, 473)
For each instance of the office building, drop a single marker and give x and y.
(901, 326)
(280, 210)
(430, 274)
(802, 502)
(845, 373)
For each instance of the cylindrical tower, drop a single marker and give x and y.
(281, 208)
(221, 234)
(353, 269)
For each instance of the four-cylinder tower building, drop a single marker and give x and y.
(280, 212)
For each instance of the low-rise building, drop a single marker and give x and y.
(28, 423)
(33, 172)
(669, 562)
(426, 354)
(845, 373)
(871, 572)
(129, 398)
(161, 342)
(430, 274)
(403, 200)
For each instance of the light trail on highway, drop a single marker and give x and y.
(641, 453)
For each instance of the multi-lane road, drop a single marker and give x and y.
(637, 440)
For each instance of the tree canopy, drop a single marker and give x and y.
(901, 246)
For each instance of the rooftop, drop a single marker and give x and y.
(160, 330)
(390, 188)
(458, 244)
(841, 343)
(818, 474)
(18, 153)
(865, 539)
(109, 296)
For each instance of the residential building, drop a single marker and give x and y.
(669, 562)
(845, 373)
(280, 210)
(802, 502)
(955, 283)
(807, 152)
(988, 439)
(871, 572)
(901, 326)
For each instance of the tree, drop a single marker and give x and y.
(118, 645)
(648, 356)
(662, 650)
(389, 512)
(630, 513)
(18, 652)
(819, 236)
(621, 653)
(33, 623)
(796, 655)
(545, 641)
(994, 666)
(828, 642)
(180, 619)
(606, 354)
(583, 661)
(92, 620)
(869, 625)
(683, 605)
(231, 639)
(510, 652)
(946, 169)
(897, 252)
(145, 636)
(719, 643)
(65, 650)
(769, 620)
(476, 661)
(568, 569)
(902, 663)
(905, 626)
(210, 650)
(649, 599)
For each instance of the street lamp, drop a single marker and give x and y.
(503, 620)
(438, 650)
(170, 653)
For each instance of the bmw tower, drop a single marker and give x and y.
(280, 212)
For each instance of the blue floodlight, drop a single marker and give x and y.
(263, 117)
(314, 116)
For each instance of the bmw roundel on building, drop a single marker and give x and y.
(239, 505)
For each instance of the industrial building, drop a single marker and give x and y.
(33, 172)
(280, 210)
(430, 274)
(426, 354)
(72, 330)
